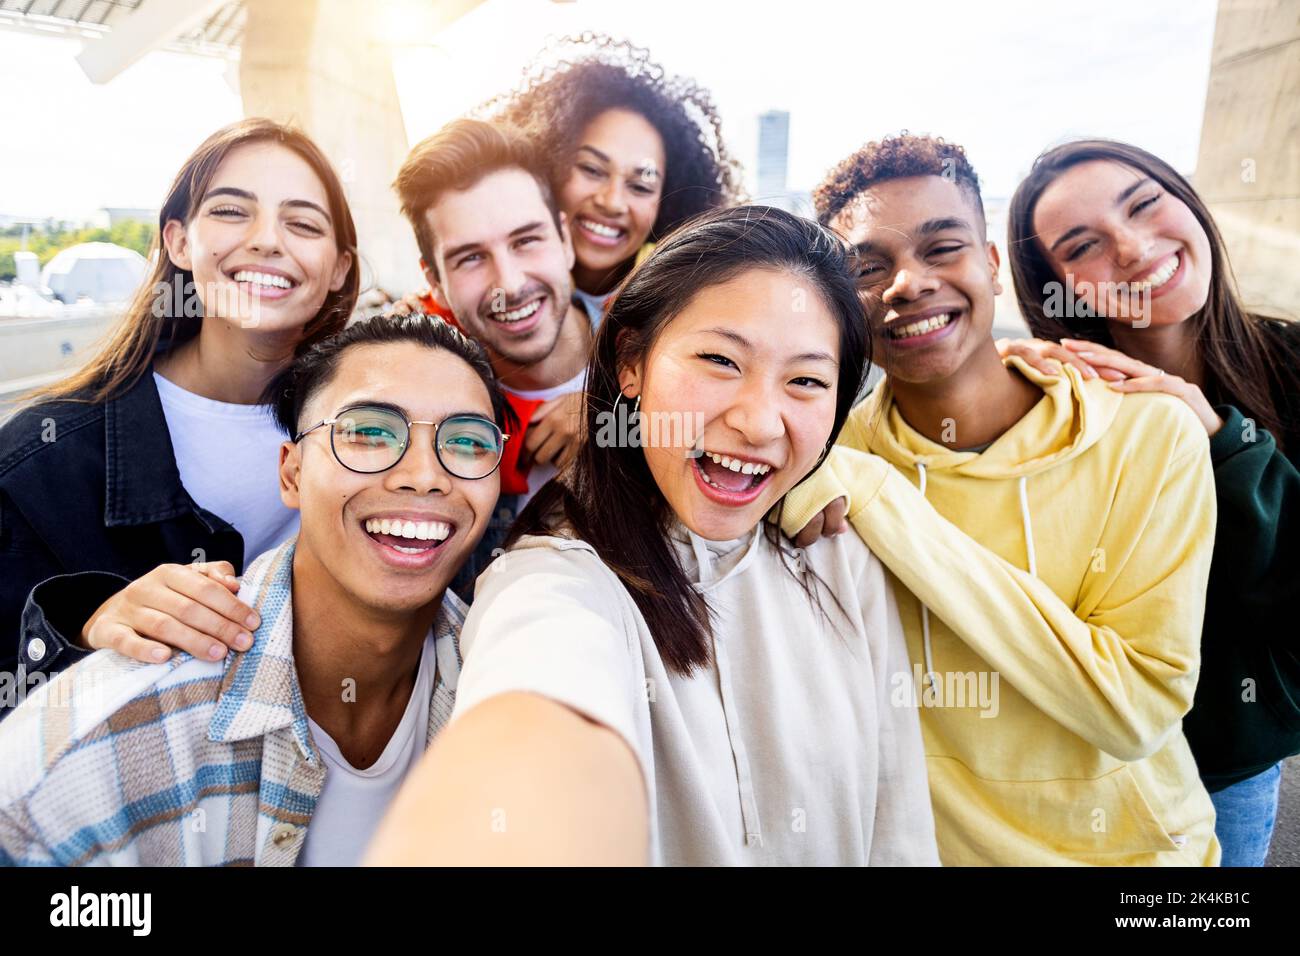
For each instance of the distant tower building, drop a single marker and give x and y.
(773, 148)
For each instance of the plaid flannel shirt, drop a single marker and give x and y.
(186, 763)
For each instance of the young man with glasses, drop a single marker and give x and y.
(288, 753)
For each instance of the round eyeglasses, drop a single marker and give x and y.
(369, 439)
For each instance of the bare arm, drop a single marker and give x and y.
(519, 780)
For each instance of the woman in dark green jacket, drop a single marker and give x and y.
(1117, 259)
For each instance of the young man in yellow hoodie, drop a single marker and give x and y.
(1049, 540)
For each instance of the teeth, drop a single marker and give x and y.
(922, 327)
(522, 312)
(735, 464)
(600, 229)
(262, 278)
(1162, 275)
(419, 531)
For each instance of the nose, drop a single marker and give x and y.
(755, 414)
(1132, 246)
(419, 471)
(264, 234)
(510, 277)
(610, 199)
(909, 283)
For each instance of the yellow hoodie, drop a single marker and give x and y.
(1055, 586)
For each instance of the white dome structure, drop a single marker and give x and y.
(100, 271)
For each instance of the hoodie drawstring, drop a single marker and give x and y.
(925, 611)
(1029, 550)
(1029, 528)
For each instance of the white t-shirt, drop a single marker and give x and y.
(539, 475)
(229, 460)
(351, 801)
(593, 305)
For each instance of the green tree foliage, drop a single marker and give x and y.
(47, 239)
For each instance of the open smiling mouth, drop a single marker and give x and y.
(901, 329)
(605, 233)
(264, 282)
(731, 480)
(520, 314)
(409, 537)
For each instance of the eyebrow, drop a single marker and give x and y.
(464, 247)
(645, 170)
(931, 226)
(927, 228)
(398, 409)
(597, 153)
(245, 194)
(745, 344)
(1120, 199)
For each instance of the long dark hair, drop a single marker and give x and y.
(608, 497)
(145, 327)
(577, 78)
(1248, 363)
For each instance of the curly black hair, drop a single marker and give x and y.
(894, 157)
(576, 78)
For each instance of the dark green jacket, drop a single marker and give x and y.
(1246, 714)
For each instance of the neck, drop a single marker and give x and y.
(1168, 347)
(974, 406)
(228, 364)
(600, 281)
(347, 654)
(567, 359)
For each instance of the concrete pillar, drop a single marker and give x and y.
(317, 64)
(1248, 170)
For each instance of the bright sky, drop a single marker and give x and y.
(1004, 79)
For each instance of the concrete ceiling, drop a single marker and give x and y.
(116, 33)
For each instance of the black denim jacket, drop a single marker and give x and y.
(90, 499)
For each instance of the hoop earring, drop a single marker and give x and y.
(636, 408)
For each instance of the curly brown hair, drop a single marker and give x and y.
(894, 157)
(576, 78)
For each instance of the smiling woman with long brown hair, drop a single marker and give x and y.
(1151, 307)
(133, 491)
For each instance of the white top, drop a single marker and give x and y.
(798, 744)
(229, 460)
(593, 305)
(351, 801)
(539, 475)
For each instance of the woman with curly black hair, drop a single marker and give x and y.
(634, 151)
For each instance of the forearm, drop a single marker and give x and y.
(519, 780)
